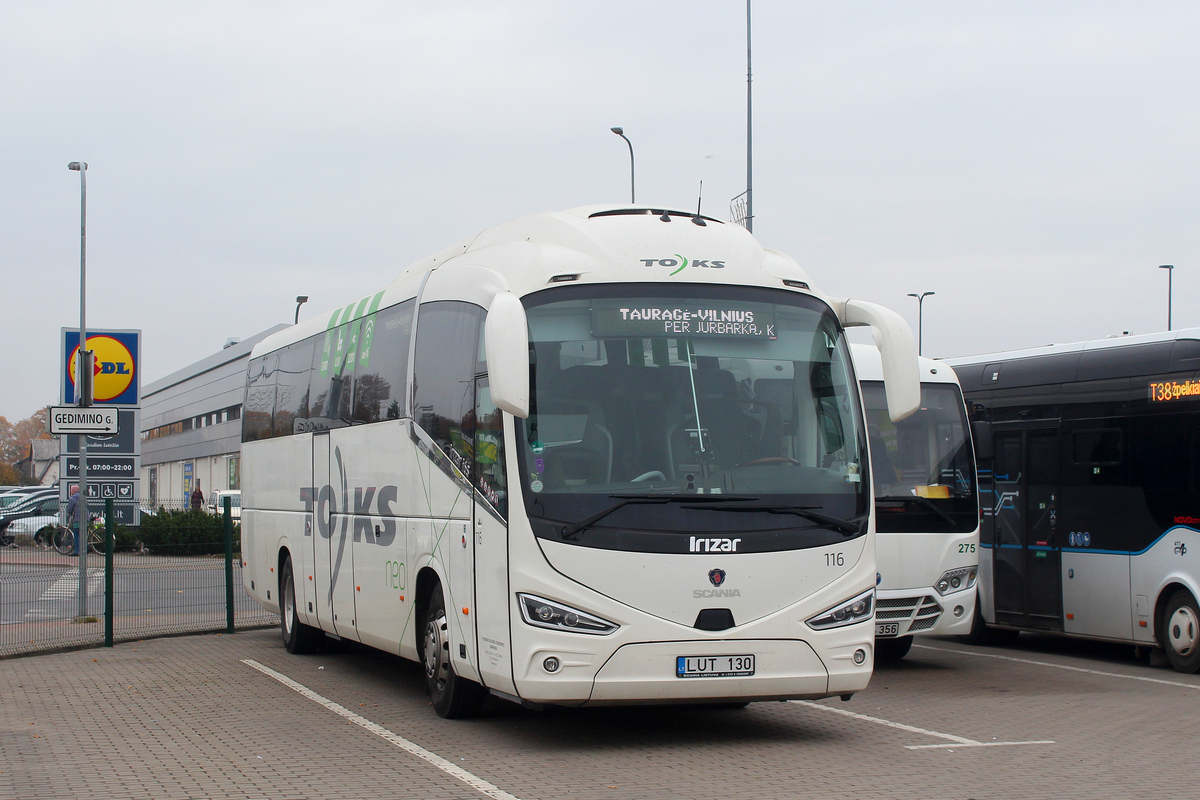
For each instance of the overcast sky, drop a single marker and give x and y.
(1030, 162)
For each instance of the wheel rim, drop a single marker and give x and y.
(437, 662)
(1182, 631)
(289, 605)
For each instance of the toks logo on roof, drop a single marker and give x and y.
(681, 263)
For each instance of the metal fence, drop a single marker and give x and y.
(178, 571)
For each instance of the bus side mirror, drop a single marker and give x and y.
(897, 351)
(981, 435)
(506, 339)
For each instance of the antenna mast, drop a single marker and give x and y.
(749, 132)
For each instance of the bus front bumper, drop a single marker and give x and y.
(650, 672)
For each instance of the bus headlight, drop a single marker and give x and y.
(955, 580)
(543, 613)
(854, 610)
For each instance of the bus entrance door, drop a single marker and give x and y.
(332, 554)
(1027, 558)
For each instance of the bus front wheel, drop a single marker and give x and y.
(298, 638)
(453, 697)
(1181, 632)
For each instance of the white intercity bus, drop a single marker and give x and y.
(610, 455)
(926, 508)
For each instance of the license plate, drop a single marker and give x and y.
(714, 666)
(887, 629)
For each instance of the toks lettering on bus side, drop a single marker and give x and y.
(324, 501)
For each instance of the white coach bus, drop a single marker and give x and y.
(609, 455)
(926, 508)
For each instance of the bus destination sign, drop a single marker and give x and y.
(682, 320)
(1161, 392)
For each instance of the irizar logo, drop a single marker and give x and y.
(703, 544)
(681, 263)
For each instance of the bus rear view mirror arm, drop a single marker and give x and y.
(506, 337)
(897, 350)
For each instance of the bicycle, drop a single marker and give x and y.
(63, 539)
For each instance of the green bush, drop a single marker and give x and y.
(188, 532)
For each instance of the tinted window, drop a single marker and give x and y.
(260, 399)
(291, 388)
(1097, 447)
(328, 383)
(444, 377)
(489, 451)
(381, 369)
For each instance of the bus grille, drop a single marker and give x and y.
(922, 611)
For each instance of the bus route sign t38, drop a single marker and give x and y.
(89, 421)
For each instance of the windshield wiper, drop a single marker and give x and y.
(923, 502)
(572, 531)
(842, 526)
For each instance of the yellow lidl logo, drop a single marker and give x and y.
(114, 370)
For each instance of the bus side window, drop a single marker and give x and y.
(259, 406)
(291, 388)
(490, 479)
(381, 371)
(444, 377)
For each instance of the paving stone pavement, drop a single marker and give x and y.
(188, 718)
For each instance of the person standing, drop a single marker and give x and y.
(73, 512)
(197, 497)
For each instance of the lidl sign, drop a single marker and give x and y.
(117, 379)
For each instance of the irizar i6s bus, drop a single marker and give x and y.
(1091, 496)
(610, 455)
(926, 508)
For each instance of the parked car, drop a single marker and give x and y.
(11, 496)
(28, 526)
(37, 504)
(216, 502)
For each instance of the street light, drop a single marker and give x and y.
(920, 315)
(1170, 268)
(301, 300)
(621, 132)
(81, 381)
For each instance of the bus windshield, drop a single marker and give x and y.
(922, 467)
(664, 410)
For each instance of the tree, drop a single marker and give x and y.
(14, 443)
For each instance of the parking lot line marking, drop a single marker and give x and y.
(971, 744)
(474, 781)
(1061, 666)
(954, 741)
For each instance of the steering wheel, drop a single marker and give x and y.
(653, 474)
(771, 460)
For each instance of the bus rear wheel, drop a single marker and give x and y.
(453, 697)
(1181, 632)
(298, 638)
(892, 649)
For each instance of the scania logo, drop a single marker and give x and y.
(679, 263)
(716, 576)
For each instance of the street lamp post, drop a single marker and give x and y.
(301, 300)
(1170, 268)
(621, 132)
(920, 316)
(81, 380)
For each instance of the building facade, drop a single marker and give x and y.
(192, 428)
